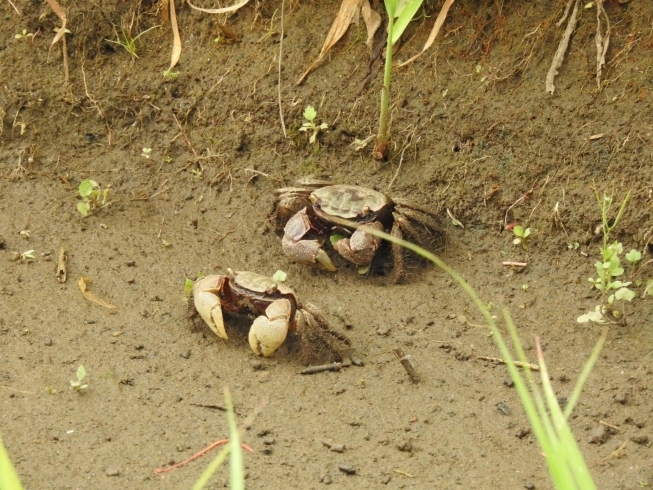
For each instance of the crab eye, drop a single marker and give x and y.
(365, 211)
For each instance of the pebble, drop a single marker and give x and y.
(347, 469)
(256, 364)
(185, 354)
(337, 448)
(529, 486)
(642, 439)
(521, 433)
(599, 436)
(48, 342)
(383, 331)
(509, 383)
(405, 446)
(268, 441)
(130, 263)
(113, 472)
(620, 398)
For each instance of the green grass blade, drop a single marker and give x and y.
(404, 18)
(8, 476)
(236, 473)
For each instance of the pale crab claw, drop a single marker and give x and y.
(303, 251)
(207, 304)
(269, 332)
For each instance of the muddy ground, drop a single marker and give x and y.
(486, 143)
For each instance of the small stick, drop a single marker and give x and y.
(405, 362)
(283, 124)
(161, 229)
(515, 264)
(12, 4)
(320, 369)
(534, 367)
(403, 473)
(618, 429)
(185, 137)
(158, 471)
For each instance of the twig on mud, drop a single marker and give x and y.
(93, 101)
(322, 368)
(283, 124)
(257, 173)
(564, 16)
(403, 473)
(533, 367)
(401, 159)
(562, 49)
(526, 194)
(185, 137)
(223, 235)
(159, 471)
(602, 40)
(61, 266)
(163, 220)
(408, 367)
(153, 195)
(12, 4)
(19, 391)
(603, 422)
(514, 264)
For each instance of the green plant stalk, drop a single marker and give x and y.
(8, 476)
(566, 465)
(381, 146)
(236, 472)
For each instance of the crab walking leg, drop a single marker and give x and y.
(207, 304)
(361, 247)
(269, 332)
(303, 251)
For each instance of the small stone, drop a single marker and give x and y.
(356, 361)
(642, 439)
(113, 472)
(48, 341)
(256, 364)
(326, 479)
(130, 263)
(599, 436)
(509, 383)
(620, 398)
(139, 347)
(347, 469)
(337, 448)
(267, 450)
(383, 331)
(268, 441)
(185, 354)
(405, 446)
(529, 486)
(2, 242)
(521, 433)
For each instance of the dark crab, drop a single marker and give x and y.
(279, 310)
(310, 211)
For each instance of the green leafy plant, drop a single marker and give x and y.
(128, 42)
(310, 114)
(93, 197)
(549, 422)
(400, 13)
(23, 34)
(614, 291)
(522, 236)
(78, 385)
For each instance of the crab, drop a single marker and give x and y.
(312, 211)
(280, 312)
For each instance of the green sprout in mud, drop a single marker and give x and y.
(614, 291)
(170, 75)
(188, 286)
(128, 42)
(78, 385)
(93, 197)
(23, 34)
(310, 114)
(400, 13)
(522, 236)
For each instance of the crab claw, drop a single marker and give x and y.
(303, 251)
(269, 332)
(207, 303)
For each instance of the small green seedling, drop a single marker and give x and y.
(400, 13)
(522, 236)
(128, 42)
(23, 34)
(77, 385)
(188, 286)
(93, 197)
(634, 256)
(170, 75)
(609, 269)
(310, 114)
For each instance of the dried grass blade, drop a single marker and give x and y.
(223, 10)
(372, 21)
(346, 15)
(90, 296)
(56, 8)
(439, 21)
(602, 40)
(176, 43)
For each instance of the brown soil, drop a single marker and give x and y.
(484, 135)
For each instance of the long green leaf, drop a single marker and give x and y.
(8, 476)
(403, 18)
